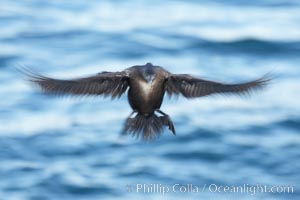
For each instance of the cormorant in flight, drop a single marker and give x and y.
(147, 85)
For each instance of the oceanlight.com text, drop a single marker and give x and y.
(211, 188)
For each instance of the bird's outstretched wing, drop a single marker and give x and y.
(191, 87)
(112, 84)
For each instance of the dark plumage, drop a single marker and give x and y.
(147, 85)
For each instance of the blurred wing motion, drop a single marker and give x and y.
(105, 83)
(191, 87)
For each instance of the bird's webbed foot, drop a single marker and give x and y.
(166, 120)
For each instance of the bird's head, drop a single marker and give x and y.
(149, 73)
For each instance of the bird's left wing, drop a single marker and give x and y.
(112, 84)
(191, 87)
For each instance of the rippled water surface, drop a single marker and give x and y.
(71, 148)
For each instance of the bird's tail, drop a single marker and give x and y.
(147, 127)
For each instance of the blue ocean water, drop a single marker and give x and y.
(71, 148)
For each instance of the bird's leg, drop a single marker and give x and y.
(131, 113)
(131, 120)
(129, 123)
(166, 120)
(161, 112)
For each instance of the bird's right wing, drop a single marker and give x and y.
(112, 84)
(191, 87)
